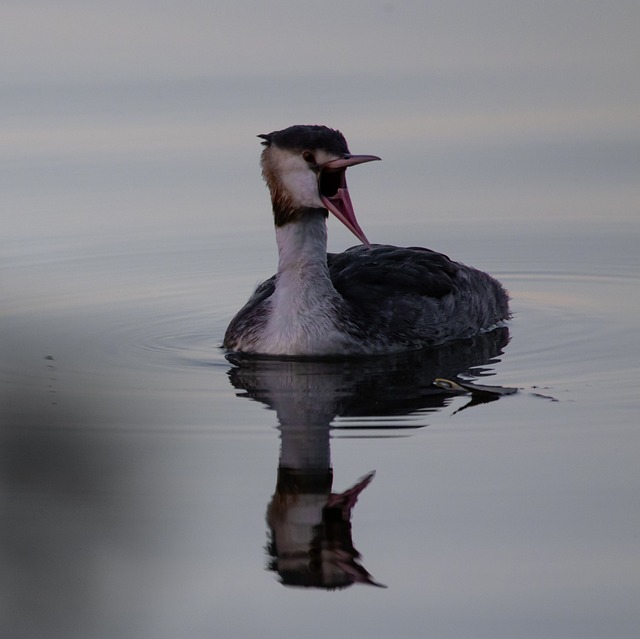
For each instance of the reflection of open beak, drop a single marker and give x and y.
(334, 194)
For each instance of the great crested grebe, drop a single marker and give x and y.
(371, 299)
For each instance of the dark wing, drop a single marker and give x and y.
(251, 317)
(415, 295)
(362, 274)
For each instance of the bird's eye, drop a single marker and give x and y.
(307, 156)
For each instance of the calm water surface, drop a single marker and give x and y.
(152, 488)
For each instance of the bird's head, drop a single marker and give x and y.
(304, 167)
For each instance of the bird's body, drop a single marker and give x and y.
(367, 300)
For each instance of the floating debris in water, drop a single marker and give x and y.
(460, 387)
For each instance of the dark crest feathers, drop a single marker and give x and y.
(307, 136)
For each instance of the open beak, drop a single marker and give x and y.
(334, 194)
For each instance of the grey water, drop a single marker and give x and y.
(153, 486)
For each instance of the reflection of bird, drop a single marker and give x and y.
(311, 542)
(369, 299)
(303, 390)
(309, 524)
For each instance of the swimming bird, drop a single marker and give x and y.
(370, 299)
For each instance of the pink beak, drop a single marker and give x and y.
(335, 195)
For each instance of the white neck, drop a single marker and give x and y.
(303, 244)
(303, 307)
